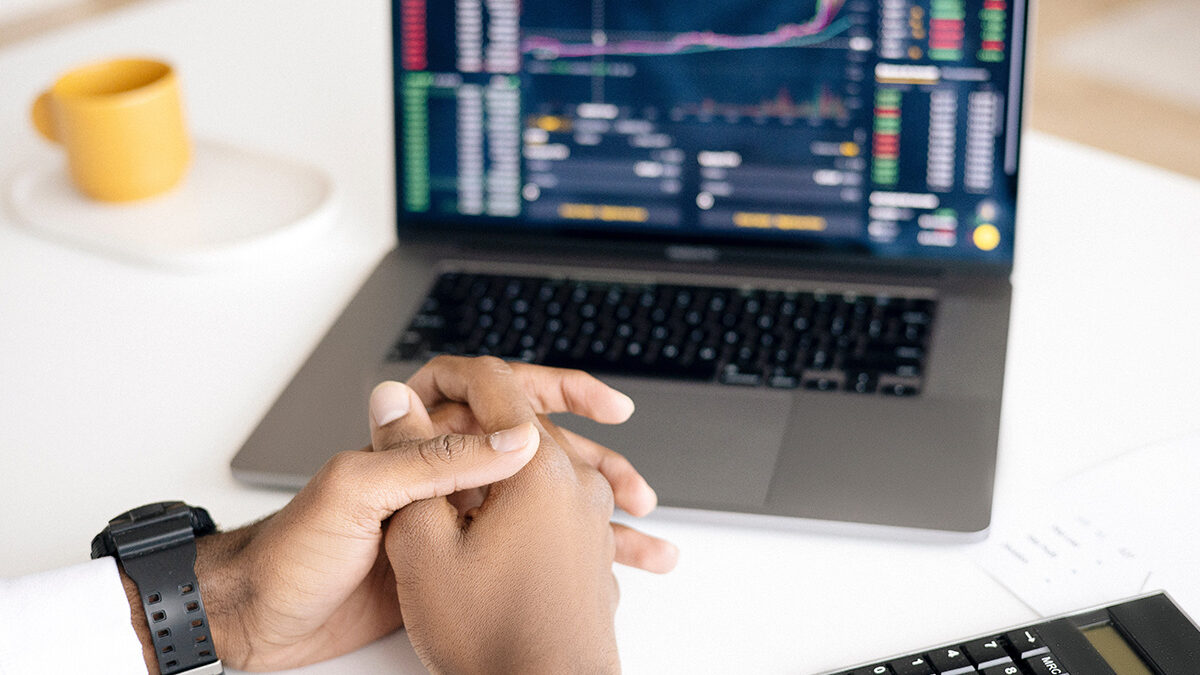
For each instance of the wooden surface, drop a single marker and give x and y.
(1081, 105)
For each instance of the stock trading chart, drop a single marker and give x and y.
(887, 125)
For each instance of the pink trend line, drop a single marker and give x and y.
(684, 41)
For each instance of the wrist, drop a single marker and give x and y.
(224, 586)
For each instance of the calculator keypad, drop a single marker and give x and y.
(1018, 652)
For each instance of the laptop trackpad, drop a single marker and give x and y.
(698, 446)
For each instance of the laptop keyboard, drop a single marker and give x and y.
(867, 344)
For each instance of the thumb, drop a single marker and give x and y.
(413, 470)
(446, 465)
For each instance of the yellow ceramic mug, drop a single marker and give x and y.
(121, 123)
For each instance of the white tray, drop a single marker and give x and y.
(231, 206)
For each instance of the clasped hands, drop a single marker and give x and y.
(472, 520)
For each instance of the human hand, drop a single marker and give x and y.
(521, 582)
(312, 582)
(444, 386)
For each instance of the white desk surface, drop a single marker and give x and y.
(122, 384)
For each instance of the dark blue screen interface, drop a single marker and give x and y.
(882, 126)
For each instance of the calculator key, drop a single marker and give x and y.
(1045, 664)
(1027, 642)
(951, 661)
(913, 665)
(987, 652)
(1002, 669)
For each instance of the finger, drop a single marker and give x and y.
(454, 418)
(640, 550)
(374, 485)
(554, 390)
(396, 415)
(547, 390)
(631, 492)
(486, 384)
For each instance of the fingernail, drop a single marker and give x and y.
(513, 439)
(389, 402)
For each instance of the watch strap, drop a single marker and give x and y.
(159, 555)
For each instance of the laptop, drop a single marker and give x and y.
(785, 229)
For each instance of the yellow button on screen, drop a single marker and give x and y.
(986, 237)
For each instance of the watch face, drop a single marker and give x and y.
(149, 511)
(104, 545)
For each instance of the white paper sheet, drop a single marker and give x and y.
(1125, 527)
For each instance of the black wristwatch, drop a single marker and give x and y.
(156, 546)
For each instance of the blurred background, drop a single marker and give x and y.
(1119, 75)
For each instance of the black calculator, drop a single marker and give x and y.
(1146, 635)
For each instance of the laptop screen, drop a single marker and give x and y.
(882, 127)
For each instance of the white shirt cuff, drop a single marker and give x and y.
(70, 620)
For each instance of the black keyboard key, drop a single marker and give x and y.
(987, 652)
(862, 382)
(740, 378)
(1044, 664)
(820, 358)
(693, 371)
(1002, 669)
(428, 322)
(837, 326)
(950, 661)
(916, 317)
(408, 347)
(821, 382)
(914, 665)
(1026, 643)
(782, 380)
(913, 332)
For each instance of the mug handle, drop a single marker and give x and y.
(43, 121)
